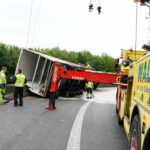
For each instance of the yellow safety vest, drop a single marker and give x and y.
(20, 80)
(88, 66)
(2, 77)
(89, 85)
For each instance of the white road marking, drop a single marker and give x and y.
(101, 101)
(75, 135)
(70, 98)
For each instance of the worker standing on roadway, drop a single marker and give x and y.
(54, 86)
(52, 101)
(2, 84)
(89, 89)
(20, 80)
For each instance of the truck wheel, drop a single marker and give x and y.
(67, 94)
(120, 121)
(95, 86)
(135, 134)
(116, 110)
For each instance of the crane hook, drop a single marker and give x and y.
(99, 8)
(90, 7)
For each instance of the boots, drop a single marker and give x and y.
(54, 107)
(50, 107)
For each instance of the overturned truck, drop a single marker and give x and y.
(45, 73)
(39, 68)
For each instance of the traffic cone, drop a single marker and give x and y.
(50, 107)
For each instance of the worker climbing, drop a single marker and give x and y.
(2, 84)
(88, 66)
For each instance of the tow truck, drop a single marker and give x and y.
(133, 95)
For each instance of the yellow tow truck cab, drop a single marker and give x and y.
(127, 58)
(129, 55)
(133, 99)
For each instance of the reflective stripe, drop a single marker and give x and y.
(20, 80)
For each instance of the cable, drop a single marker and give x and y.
(36, 22)
(136, 27)
(149, 29)
(29, 23)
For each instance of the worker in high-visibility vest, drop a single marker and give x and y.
(88, 66)
(89, 89)
(20, 80)
(2, 84)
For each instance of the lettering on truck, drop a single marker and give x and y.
(144, 72)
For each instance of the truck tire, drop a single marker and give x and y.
(67, 94)
(116, 110)
(95, 86)
(147, 142)
(120, 121)
(117, 102)
(135, 134)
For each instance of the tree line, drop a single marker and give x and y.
(9, 56)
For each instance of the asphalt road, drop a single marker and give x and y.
(77, 124)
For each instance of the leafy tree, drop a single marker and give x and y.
(9, 57)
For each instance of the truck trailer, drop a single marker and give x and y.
(39, 68)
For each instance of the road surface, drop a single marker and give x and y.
(77, 124)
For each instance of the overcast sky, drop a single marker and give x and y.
(69, 25)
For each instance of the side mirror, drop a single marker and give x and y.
(127, 62)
